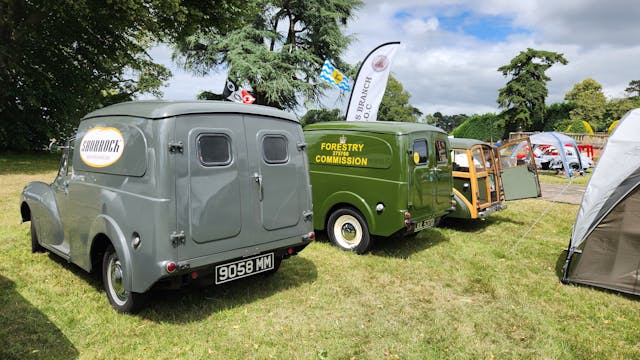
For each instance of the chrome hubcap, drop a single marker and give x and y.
(348, 232)
(116, 280)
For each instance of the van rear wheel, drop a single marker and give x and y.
(348, 230)
(113, 276)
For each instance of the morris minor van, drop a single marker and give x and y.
(167, 192)
(484, 176)
(377, 178)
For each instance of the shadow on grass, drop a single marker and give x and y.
(33, 163)
(404, 246)
(475, 225)
(27, 333)
(560, 264)
(197, 301)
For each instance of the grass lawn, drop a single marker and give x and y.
(475, 289)
(550, 177)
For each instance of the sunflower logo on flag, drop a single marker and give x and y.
(333, 76)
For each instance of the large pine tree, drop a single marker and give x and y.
(278, 54)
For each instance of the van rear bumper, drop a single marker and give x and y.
(282, 249)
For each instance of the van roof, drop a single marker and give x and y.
(384, 127)
(463, 143)
(160, 109)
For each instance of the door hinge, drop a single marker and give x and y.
(307, 215)
(176, 147)
(177, 238)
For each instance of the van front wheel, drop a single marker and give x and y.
(113, 279)
(348, 230)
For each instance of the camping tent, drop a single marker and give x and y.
(559, 141)
(605, 242)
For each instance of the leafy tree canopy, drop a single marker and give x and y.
(556, 113)
(61, 59)
(524, 94)
(634, 88)
(320, 115)
(485, 127)
(277, 53)
(579, 127)
(616, 108)
(588, 102)
(395, 104)
(446, 122)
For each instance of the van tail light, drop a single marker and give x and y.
(407, 215)
(309, 237)
(171, 267)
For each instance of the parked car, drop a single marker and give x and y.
(166, 192)
(548, 158)
(377, 178)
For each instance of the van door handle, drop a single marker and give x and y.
(435, 169)
(258, 179)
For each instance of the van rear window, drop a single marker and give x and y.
(420, 148)
(214, 149)
(274, 149)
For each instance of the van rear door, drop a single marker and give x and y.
(239, 184)
(519, 174)
(278, 167)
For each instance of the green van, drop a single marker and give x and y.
(377, 178)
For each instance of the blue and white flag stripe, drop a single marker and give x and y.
(333, 76)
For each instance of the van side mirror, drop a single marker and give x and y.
(55, 147)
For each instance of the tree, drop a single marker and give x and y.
(61, 59)
(446, 122)
(278, 53)
(616, 108)
(556, 113)
(485, 127)
(588, 102)
(395, 104)
(579, 127)
(634, 88)
(321, 115)
(524, 94)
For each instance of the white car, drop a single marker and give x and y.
(547, 158)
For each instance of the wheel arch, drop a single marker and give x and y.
(348, 199)
(104, 231)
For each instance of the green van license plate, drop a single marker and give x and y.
(243, 268)
(421, 225)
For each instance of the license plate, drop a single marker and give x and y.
(243, 268)
(421, 225)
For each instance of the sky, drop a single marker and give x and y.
(451, 49)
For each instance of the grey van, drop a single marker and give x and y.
(166, 192)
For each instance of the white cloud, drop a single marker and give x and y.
(419, 27)
(450, 71)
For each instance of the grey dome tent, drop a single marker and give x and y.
(605, 243)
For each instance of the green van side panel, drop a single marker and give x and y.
(384, 177)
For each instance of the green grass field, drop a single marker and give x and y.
(475, 289)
